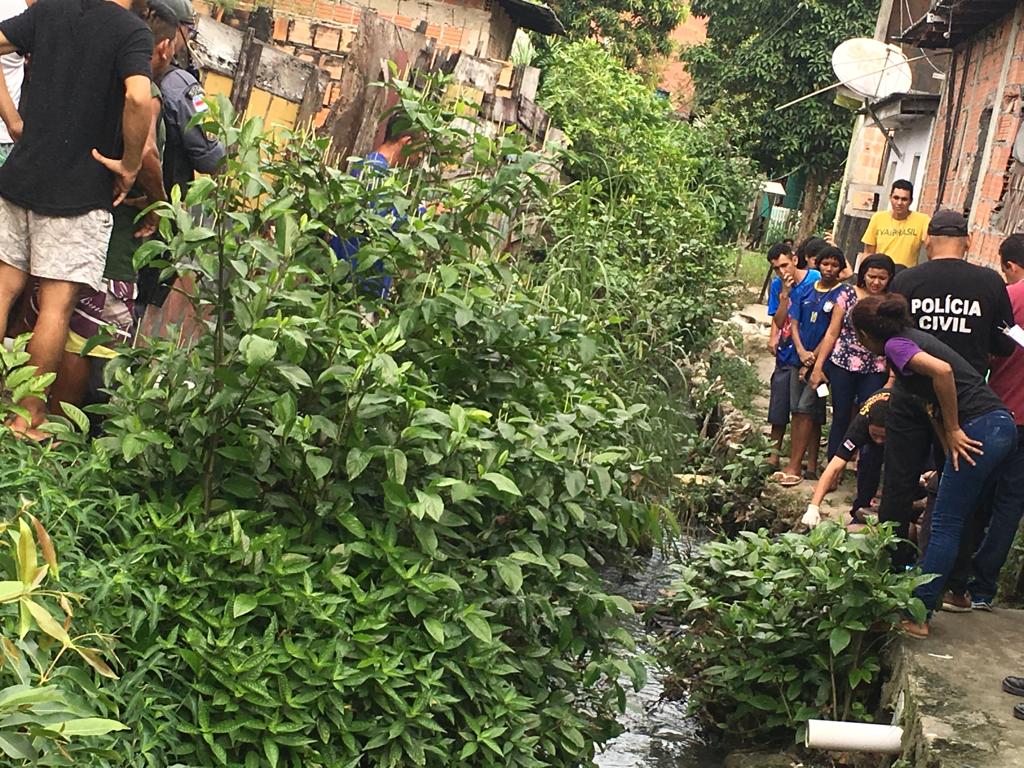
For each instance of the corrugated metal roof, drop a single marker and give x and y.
(536, 16)
(949, 22)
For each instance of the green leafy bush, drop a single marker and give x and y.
(46, 717)
(786, 629)
(666, 181)
(364, 541)
(336, 530)
(638, 235)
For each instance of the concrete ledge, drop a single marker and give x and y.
(947, 690)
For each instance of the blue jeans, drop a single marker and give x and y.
(1007, 508)
(849, 390)
(959, 492)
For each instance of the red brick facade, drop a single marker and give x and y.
(982, 116)
(672, 75)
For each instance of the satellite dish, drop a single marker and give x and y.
(872, 69)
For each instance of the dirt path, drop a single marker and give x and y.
(754, 323)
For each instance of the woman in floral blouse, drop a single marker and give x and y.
(853, 373)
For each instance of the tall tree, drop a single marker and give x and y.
(634, 29)
(761, 54)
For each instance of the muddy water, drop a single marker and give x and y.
(658, 734)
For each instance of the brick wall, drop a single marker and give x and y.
(867, 167)
(970, 180)
(322, 31)
(672, 75)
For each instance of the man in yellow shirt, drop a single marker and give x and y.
(899, 232)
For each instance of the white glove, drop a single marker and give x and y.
(812, 516)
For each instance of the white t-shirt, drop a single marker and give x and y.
(12, 64)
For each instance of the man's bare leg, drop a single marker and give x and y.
(801, 427)
(57, 299)
(71, 383)
(12, 283)
(778, 435)
(814, 449)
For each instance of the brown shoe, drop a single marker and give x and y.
(865, 515)
(956, 603)
(914, 630)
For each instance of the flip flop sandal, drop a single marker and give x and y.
(808, 475)
(777, 476)
(788, 481)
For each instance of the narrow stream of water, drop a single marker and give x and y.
(658, 733)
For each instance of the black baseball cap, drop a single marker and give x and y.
(947, 223)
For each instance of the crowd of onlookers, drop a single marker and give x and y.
(97, 104)
(924, 369)
(98, 121)
(921, 362)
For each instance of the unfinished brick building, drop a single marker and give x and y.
(892, 135)
(322, 31)
(976, 160)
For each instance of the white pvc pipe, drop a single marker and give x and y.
(838, 736)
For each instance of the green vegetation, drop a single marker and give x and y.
(761, 54)
(642, 231)
(787, 629)
(1011, 579)
(753, 267)
(339, 530)
(47, 712)
(633, 32)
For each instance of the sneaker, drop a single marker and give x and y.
(914, 630)
(865, 515)
(1018, 711)
(982, 605)
(956, 602)
(1014, 685)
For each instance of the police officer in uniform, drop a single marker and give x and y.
(188, 149)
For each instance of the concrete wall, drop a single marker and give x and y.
(913, 141)
(981, 117)
(501, 33)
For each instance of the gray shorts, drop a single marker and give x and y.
(803, 398)
(68, 248)
(778, 399)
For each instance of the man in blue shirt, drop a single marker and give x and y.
(393, 152)
(792, 280)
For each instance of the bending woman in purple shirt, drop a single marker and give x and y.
(977, 430)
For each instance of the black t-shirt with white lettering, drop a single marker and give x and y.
(73, 100)
(858, 435)
(962, 305)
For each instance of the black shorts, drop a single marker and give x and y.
(778, 400)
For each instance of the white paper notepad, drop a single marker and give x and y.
(1016, 333)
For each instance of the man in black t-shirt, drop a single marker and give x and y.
(965, 307)
(84, 123)
(961, 304)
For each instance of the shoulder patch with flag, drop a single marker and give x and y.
(195, 93)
